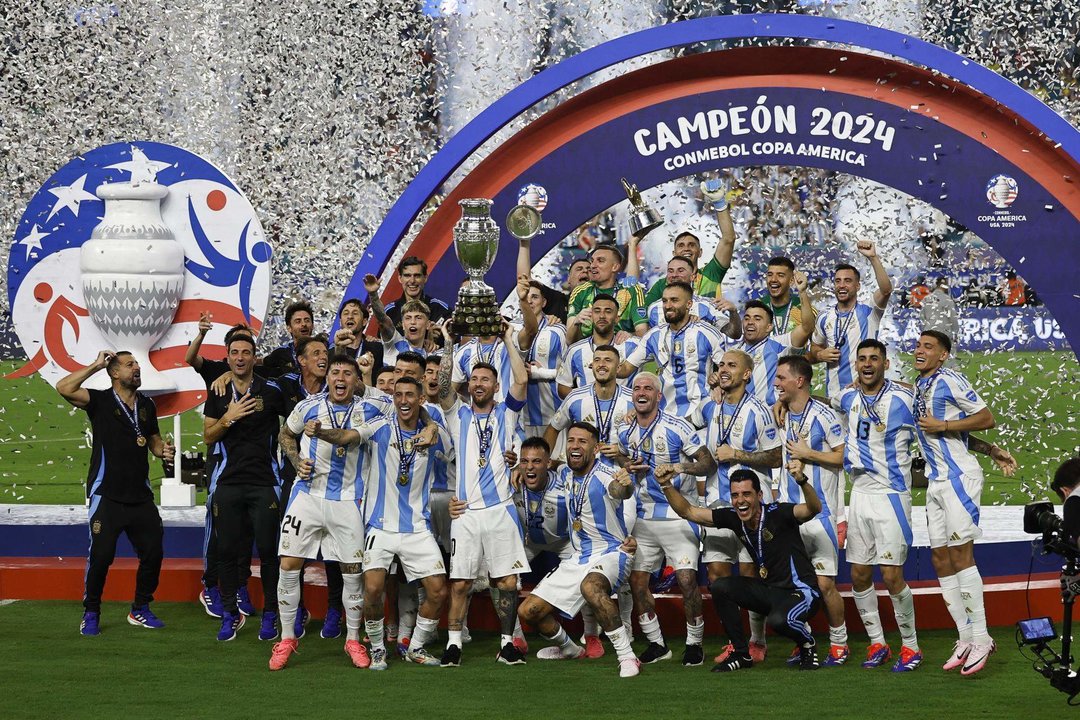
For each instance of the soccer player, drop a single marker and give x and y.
(877, 457)
(414, 319)
(718, 312)
(947, 408)
(488, 536)
(575, 368)
(555, 300)
(602, 553)
(542, 362)
(814, 436)
(683, 349)
(655, 446)
(124, 425)
(839, 330)
(785, 589)
(242, 429)
(603, 404)
(384, 380)
(299, 321)
(412, 274)
(350, 338)
(766, 349)
(323, 512)
(605, 262)
(786, 310)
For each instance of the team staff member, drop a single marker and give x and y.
(785, 590)
(412, 274)
(299, 321)
(124, 424)
(242, 429)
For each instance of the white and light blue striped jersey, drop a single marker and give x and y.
(397, 496)
(947, 395)
(845, 330)
(746, 425)
(582, 405)
(820, 426)
(766, 354)
(543, 392)
(334, 476)
(445, 469)
(544, 515)
(466, 356)
(880, 431)
(483, 479)
(700, 308)
(667, 440)
(684, 357)
(397, 345)
(575, 368)
(597, 526)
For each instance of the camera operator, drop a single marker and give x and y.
(1066, 484)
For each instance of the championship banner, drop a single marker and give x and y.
(991, 329)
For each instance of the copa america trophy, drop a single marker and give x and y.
(133, 274)
(476, 241)
(643, 219)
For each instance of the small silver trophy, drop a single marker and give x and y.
(643, 219)
(476, 241)
(524, 222)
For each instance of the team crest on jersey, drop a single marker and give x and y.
(549, 510)
(661, 446)
(767, 535)
(259, 403)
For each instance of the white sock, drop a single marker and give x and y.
(620, 639)
(695, 633)
(904, 611)
(455, 638)
(588, 619)
(562, 639)
(954, 601)
(352, 598)
(425, 630)
(757, 628)
(837, 635)
(866, 603)
(503, 639)
(626, 609)
(375, 631)
(650, 625)
(288, 592)
(971, 591)
(408, 604)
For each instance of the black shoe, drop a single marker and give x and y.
(734, 662)
(654, 653)
(693, 656)
(451, 657)
(808, 659)
(510, 655)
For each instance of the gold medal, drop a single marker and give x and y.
(140, 441)
(340, 451)
(763, 572)
(577, 526)
(880, 427)
(403, 479)
(482, 462)
(804, 434)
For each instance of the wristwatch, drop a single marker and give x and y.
(227, 423)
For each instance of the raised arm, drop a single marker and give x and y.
(386, 325)
(445, 376)
(682, 508)
(191, 356)
(805, 330)
(884, 282)
(811, 505)
(520, 376)
(530, 323)
(762, 458)
(70, 387)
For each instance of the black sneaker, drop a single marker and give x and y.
(808, 659)
(510, 655)
(733, 662)
(451, 657)
(693, 656)
(654, 653)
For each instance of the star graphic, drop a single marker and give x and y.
(33, 240)
(142, 168)
(69, 197)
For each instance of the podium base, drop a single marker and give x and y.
(177, 495)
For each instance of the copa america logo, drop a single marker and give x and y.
(124, 248)
(1001, 191)
(534, 196)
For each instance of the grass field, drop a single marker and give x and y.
(182, 671)
(44, 458)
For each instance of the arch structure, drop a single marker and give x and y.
(912, 116)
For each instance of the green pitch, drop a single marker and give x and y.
(48, 670)
(1034, 396)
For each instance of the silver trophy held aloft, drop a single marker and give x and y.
(643, 219)
(476, 241)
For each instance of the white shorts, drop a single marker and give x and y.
(313, 523)
(952, 511)
(678, 540)
(879, 528)
(488, 540)
(723, 546)
(562, 586)
(417, 552)
(562, 549)
(819, 539)
(439, 508)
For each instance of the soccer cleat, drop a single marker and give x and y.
(359, 655)
(959, 655)
(808, 659)
(420, 656)
(521, 644)
(210, 599)
(977, 657)
(655, 653)
(268, 629)
(877, 655)
(794, 657)
(733, 661)
(144, 617)
(331, 627)
(758, 651)
(510, 655)
(403, 648)
(279, 655)
(838, 655)
(724, 654)
(466, 636)
(556, 653)
(451, 657)
(629, 667)
(243, 601)
(230, 625)
(909, 660)
(693, 656)
(593, 647)
(89, 625)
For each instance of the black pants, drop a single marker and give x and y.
(142, 524)
(786, 610)
(210, 551)
(236, 508)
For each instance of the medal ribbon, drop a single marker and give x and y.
(840, 333)
(643, 435)
(802, 421)
(604, 424)
(725, 430)
(870, 404)
(576, 501)
(922, 390)
(405, 462)
(759, 548)
(133, 417)
(484, 434)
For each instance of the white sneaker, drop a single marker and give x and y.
(466, 636)
(556, 653)
(629, 667)
(959, 654)
(977, 657)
